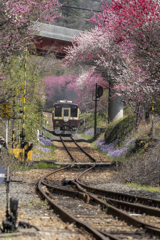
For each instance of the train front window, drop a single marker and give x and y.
(66, 113)
(74, 112)
(57, 111)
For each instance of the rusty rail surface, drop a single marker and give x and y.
(66, 215)
(83, 194)
(62, 212)
(122, 196)
(109, 204)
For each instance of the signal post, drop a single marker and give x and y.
(21, 150)
(98, 94)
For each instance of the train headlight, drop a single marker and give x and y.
(57, 121)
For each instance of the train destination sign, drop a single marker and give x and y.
(2, 174)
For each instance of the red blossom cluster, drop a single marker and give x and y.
(124, 48)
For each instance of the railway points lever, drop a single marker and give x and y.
(10, 224)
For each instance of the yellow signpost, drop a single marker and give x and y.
(6, 110)
(22, 151)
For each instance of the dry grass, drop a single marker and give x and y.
(7, 159)
(142, 170)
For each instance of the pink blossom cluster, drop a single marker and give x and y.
(124, 48)
(83, 86)
(16, 19)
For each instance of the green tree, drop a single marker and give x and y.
(34, 98)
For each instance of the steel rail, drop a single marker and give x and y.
(113, 210)
(121, 214)
(67, 150)
(150, 228)
(114, 195)
(118, 204)
(110, 209)
(120, 196)
(66, 215)
(132, 207)
(83, 150)
(98, 233)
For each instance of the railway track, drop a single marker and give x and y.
(98, 211)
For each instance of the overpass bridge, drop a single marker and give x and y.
(52, 38)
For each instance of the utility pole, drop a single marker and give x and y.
(95, 113)
(98, 94)
(23, 135)
(153, 127)
(109, 102)
(7, 132)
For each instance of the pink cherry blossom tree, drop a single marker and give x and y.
(97, 49)
(75, 88)
(16, 20)
(85, 85)
(60, 88)
(137, 29)
(136, 26)
(124, 48)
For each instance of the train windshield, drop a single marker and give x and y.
(57, 111)
(66, 113)
(73, 111)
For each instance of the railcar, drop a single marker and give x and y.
(65, 117)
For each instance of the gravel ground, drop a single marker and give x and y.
(38, 213)
(27, 196)
(116, 187)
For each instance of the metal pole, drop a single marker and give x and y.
(12, 127)
(6, 132)
(109, 99)
(158, 172)
(19, 130)
(7, 193)
(19, 125)
(24, 95)
(153, 129)
(95, 114)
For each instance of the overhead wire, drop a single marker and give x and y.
(85, 9)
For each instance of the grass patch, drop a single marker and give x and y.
(47, 134)
(87, 137)
(40, 165)
(38, 203)
(121, 140)
(41, 152)
(10, 236)
(147, 188)
(89, 120)
(120, 129)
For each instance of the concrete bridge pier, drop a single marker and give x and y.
(115, 110)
